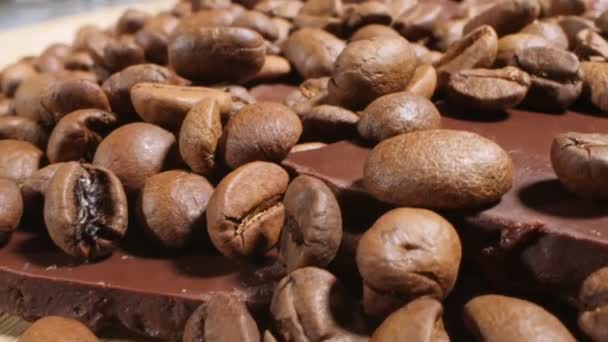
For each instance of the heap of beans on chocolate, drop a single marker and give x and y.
(173, 128)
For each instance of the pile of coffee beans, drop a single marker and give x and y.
(151, 128)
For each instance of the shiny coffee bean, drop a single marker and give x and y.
(423, 82)
(14, 75)
(199, 136)
(311, 305)
(11, 208)
(135, 152)
(440, 169)
(221, 318)
(595, 84)
(85, 210)
(329, 123)
(397, 113)
(24, 129)
(78, 134)
(418, 23)
(172, 206)
(275, 67)
(593, 296)
(260, 131)
(499, 318)
(245, 213)
(57, 329)
(313, 52)
(313, 224)
(550, 31)
(19, 159)
(506, 17)
(409, 253)
(373, 30)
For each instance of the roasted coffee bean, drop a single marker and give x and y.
(57, 329)
(95, 43)
(499, 318)
(206, 18)
(311, 93)
(260, 131)
(593, 297)
(580, 160)
(373, 30)
(508, 16)
(409, 253)
(595, 84)
(287, 9)
(121, 53)
(361, 14)
(19, 159)
(82, 35)
(307, 147)
(397, 113)
(551, 8)
(424, 81)
(274, 68)
(6, 107)
(79, 61)
(85, 210)
(268, 337)
(489, 89)
(284, 27)
(602, 23)
(550, 31)
(312, 232)
(172, 207)
(420, 320)
(167, 105)
(241, 97)
(33, 189)
(329, 123)
(221, 318)
(198, 5)
(323, 8)
(245, 213)
(66, 96)
(28, 101)
(14, 75)
(52, 58)
(154, 38)
(477, 49)
(572, 25)
(590, 45)
(22, 128)
(510, 45)
(131, 21)
(199, 136)
(555, 75)
(118, 86)
(441, 169)
(77, 135)
(313, 52)
(311, 305)
(217, 54)
(135, 152)
(11, 208)
(258, 22)
(418, 23)
(381, 66)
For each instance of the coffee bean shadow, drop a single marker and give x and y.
(462, 113)
(586, 108)
(550, 197)
(40, 251)
(208, 265)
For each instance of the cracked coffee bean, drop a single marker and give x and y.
(221, 318)
(57, 329)
(245, 213)
(19, 159)
(501, 319)
(408, 253)
(313, 52)
(85, 210)
(593, 319)
(11, 208)
(78, 134)
(199, 137)
(24, 129)
(580, 160)
(312, 232)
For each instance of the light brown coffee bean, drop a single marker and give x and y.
(423, 82)
(274, 67)
(307, 147)
(441, 169)
(205, 18)
(572, 25)
(329, 123)
(51, 60)
(313, 52)
(373, 30)
(365, 13)
(505, 17)
(245, 213)
(14, 75)
(19, 159)
(510, 45)
(24, 129)
(595, 84)
(259, 22)
(602, 23)
(66, 96)
(199, 136)
(323, 8)
(593, 297)
(287, 9)
(241, 97)
(418, 23)
(590, 45)
(57, 329)
(499, 318)
(11, 209)
(6, 107)
(550, 31)
(447, 32)
(397, 113)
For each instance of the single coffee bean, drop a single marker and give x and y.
(505, 17)
(19, 159)
(499, 318)
(78, 134)
(595, 84)
(510, 45)
(307, 147)
(311, 305)
(550, 31)
(14, 75)
(221, 318)
(66, 96)
(121, 53)
(421, 320)
(274, 67)
(200, 135)
(365, 13)
(397, 113)
(85, 210)
(329, 123)
(217, 54)
(410, 253)
(33, 189)
(477, 49)
(313, 52)
(373, 30)
(118, 86)
(260, 131)
(166, 105)
(6, 107)
(259, 22)
(383, 66)
(441, 169)
(245, 213)
(418, 23)
(28, 101)
(57, 329)
(424, 81)
(555, 75)
(131, 21)
(311, 93)
(135, 152)
(313, 225)
(590, 45)
(489, 89)
(172, 207)
(572, 25)
(287, 9)
(593, 319)
(580, 160)
(22, 128)
(11, 208)
(552, 8)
